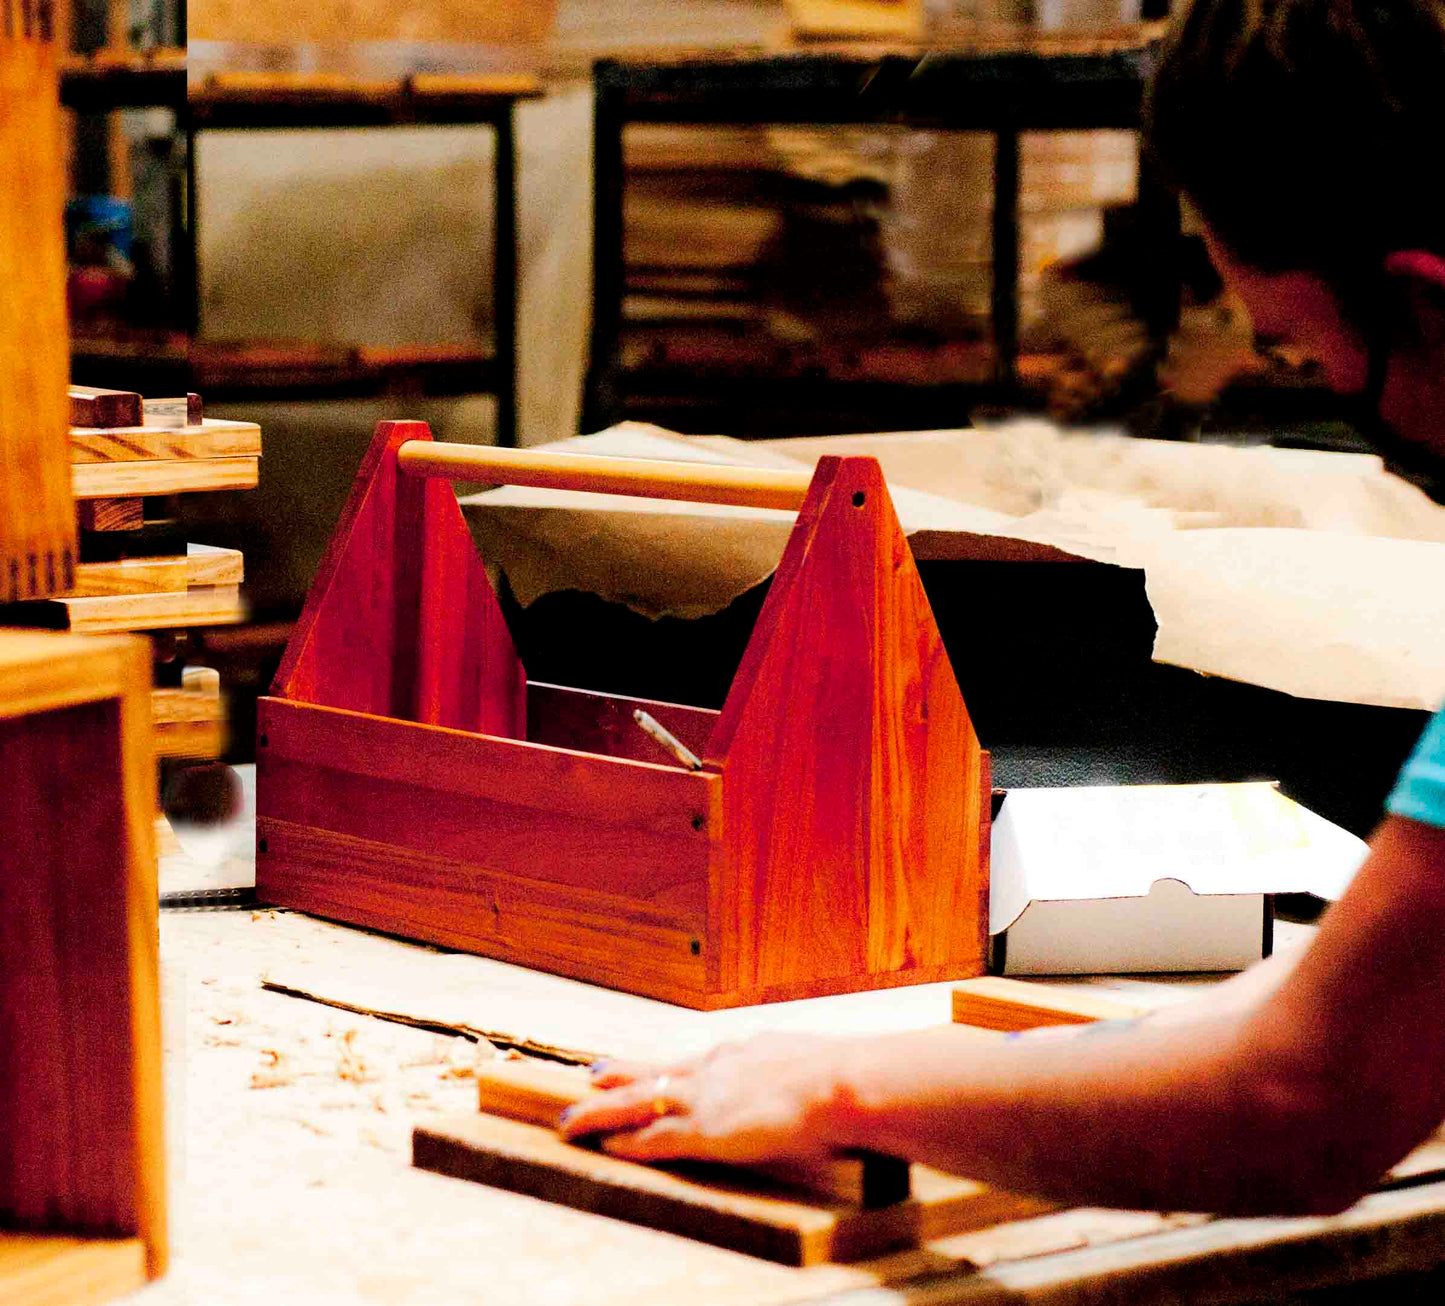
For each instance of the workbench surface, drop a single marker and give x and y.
(290, 1125)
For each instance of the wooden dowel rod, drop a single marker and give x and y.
(749, 487)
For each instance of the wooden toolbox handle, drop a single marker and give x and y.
(749, 487)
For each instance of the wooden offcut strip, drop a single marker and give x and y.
(537, 1093)
(1007, 1004)
(713, 1204)
(37, 516)
(90, 406)
(162, 476)
(210, 605)
(872, 19)
(126, 514)
(52, 1269)
(188, 722)
(208, 439)
(201, 566)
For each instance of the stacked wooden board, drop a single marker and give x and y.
(137, 572)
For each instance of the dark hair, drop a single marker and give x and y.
(1310, 134)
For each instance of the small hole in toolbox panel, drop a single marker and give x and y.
(859, 499)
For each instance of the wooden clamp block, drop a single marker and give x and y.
(993, 1002)
(412, 780)
(794, 1214)
(82, 1202)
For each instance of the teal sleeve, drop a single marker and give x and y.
(1419, 793)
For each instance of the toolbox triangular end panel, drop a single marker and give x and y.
(401, 620)
(853, 780)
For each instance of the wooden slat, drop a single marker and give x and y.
(185, 706)
(130, 576)
(201, 566)
(43, 672)
(90, 406)
(208, 440)
(211, 605)
(162, 476)
(56, 1270)
(993, 1002)
(537, 1092)
(707, 1203)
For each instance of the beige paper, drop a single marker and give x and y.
(1311, 573)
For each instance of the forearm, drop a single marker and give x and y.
(1177, 1116)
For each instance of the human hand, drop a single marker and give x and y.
(773, 1097)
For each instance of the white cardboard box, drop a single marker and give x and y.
(1150, 878)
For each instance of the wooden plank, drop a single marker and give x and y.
(182, 706)
(201, 566)
(568, 928)
(163, 476)
(877, 729)
(56, 1270)
(872, 19)
(78, 995)
(709, 1203)
(993, 1002)
(106, 515)
(130, 576)
(90, 406)
(190, 739)
(211, 605)
(209, 439)
(537, 1092)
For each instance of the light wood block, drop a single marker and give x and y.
(873, 19)
(710, 1203)
(993, 1002)
(401, 728)
(79, 998)
(208, 440)
(201, 566)
(188, 722)
(206, 605)
(53, 1270)
(183, 410)
(146, 477)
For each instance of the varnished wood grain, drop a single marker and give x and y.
(591, 866)
(111, 514)
(188, 722)
(993, 1002)
(845, 847)
(78, 991)
(37, 517)
(710, 1203)
(401, 619)
(152, 441)
(91, 406)
(55, 1270)
(537, 1092)
(147, 477)
(603, 723)
(845, 747)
